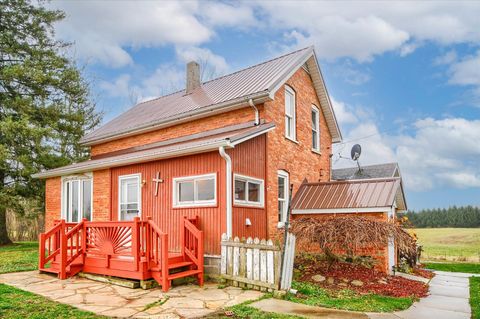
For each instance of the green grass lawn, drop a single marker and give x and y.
(455, 267)
(347, 299)
(475, 297)
(21, 256)
(19, 304)
(451, 244)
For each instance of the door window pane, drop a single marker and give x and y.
(87, 199)
(75, 201)
(129, 197)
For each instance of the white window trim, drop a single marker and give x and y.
(195, 203)
(246, 202)
(286, 176)
(63, 202)
(317, 131)
(122, 177)
(293, 136)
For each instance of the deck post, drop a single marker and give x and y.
(182, 237)
(84, 240)
(135, 241)
(164, 256)
(41, 251)
(148, 245)
(63, 251)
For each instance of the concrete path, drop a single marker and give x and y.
(188, 301)
(448, 299)
(297, 309)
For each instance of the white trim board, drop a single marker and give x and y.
(343, 210)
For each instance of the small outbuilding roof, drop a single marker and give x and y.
(371, 195)
(207, 141)
(370, 171)
(259, 83)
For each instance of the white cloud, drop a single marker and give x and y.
(467, 71)
(211, 65)
(222, 14)
(102, 29)
(118, 88)
(364, 29)
(436, 153)
(447, 58)
(343, 115)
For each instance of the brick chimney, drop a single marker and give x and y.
(193, 76)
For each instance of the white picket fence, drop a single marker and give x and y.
(255, 263)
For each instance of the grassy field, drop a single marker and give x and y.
(475, 297)
(21, 256)
(472, 268)
(449, 244)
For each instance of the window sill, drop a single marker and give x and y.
(292, 140)
(206, 205)
(316, 151)
(247, 205)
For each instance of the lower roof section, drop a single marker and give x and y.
(207, 141)
(371, 195)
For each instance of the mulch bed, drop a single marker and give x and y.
(344, 273)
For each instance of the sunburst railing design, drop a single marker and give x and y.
(109, 239)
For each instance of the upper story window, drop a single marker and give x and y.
(282, 197)
(195, 191)
(248, 191)
(290, 116)
(129, 193)
(77, 199)
(315, 129)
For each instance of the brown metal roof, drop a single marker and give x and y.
(228, 136)
(258, 82)
(372, 193)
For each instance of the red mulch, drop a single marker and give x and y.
(373, 281)
(419, 271)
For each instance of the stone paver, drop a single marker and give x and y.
(188, 301)
(292, 308)
(448, 299)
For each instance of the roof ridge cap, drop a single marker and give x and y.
(229, 74)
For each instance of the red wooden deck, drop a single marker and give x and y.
(135, 250)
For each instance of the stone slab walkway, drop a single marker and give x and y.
(292, 308)
(448, 299)
(188, 301)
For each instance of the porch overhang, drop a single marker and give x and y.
(209, 141)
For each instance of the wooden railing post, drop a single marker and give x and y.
(164, 256)
(63, 251)
(148, 245)
(84, 240)
(135, 241)
(41, 251)
(200, 257)
(182, 236)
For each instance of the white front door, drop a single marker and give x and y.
(129, 197)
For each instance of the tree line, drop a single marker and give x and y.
(461, 217)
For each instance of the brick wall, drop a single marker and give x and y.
(220, 120)
(53, 192)
(297, 159)
(102, 195)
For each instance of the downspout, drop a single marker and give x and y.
(257, 114)
(228, 172)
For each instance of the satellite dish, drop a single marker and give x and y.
(356, 151)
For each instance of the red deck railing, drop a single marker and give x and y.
(129, 249)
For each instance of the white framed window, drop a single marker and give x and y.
(290, 116)
(283, 180)
(315, 129)
(248, 191)
(129, 197)
(77, 194)
(192, 191)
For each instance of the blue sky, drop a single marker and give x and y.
(404, 78)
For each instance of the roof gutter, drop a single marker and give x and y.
(223, 107)
(228, 172)
(122, 160)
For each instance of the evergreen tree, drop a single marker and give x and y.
(464, 217)
(44, 105)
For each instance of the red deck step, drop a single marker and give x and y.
(180, 264)
(184, 274)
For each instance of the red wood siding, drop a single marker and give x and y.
(249, 159)
(212, 219)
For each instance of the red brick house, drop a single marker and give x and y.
(223, 150)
